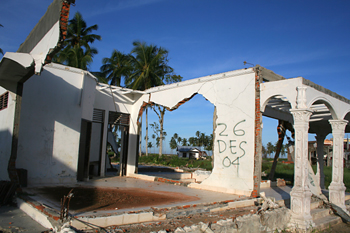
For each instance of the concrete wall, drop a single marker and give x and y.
(233, 94)
(53, 105)
(6, 129)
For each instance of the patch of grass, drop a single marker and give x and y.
(283, 170)
(175, 161)
(328, 176)
(286, 172)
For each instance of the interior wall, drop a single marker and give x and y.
(50, 125)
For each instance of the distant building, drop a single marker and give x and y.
(328, 152)
(190, 152)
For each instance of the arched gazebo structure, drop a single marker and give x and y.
(313, 109)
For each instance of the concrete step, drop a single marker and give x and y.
(315, 204)
(319, 213)
(326, 222)
(170, 175)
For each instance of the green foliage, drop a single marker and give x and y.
(116, 67)
(157, 133)
(173, 143)
(149, 64)
(328, 176)
(175, 161)
(284, 171)
(201, 140)
(77, 51)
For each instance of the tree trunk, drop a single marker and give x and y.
(146, 131)
(161, 121)
(281, 130)
(140, 138)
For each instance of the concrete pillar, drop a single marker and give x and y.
(320, 137)
(301, 194)
(104, 144)
(337, 187)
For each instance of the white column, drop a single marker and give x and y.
(320, 137)
(301, 194)
(337, 187)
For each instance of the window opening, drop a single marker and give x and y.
(4, 100)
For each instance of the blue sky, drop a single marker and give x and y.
(292, 38)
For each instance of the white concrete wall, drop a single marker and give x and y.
(50, 124)
(233, 93)
(88, 96)
(6, 129)
(133, 143)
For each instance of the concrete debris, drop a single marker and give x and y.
(268, 221)
(66, 228)
(205, 228)
(268, 204)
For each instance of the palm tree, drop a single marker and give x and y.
(79, 35)
(270, 148)
(209, 140)
(179, 140)
(173, 143)
(184, 142)
(77, 57)
(198, 134)
(150, 67)
(101, 77)
(116, 67)
(157, 132)
(192, 141)
(150, 145)
(77, 51)
(264, 152)
(149, 64)
(202, 139)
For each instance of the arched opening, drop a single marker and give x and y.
(188, 140)
(277, 136)
(320, 143)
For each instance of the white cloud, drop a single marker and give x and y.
(113, 6)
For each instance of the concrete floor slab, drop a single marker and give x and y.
(12, 219)
(128, 182)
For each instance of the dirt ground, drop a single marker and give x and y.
(90, 199)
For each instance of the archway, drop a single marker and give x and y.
(188, 126)
(276, 114)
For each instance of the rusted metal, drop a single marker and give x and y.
(64, 214)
